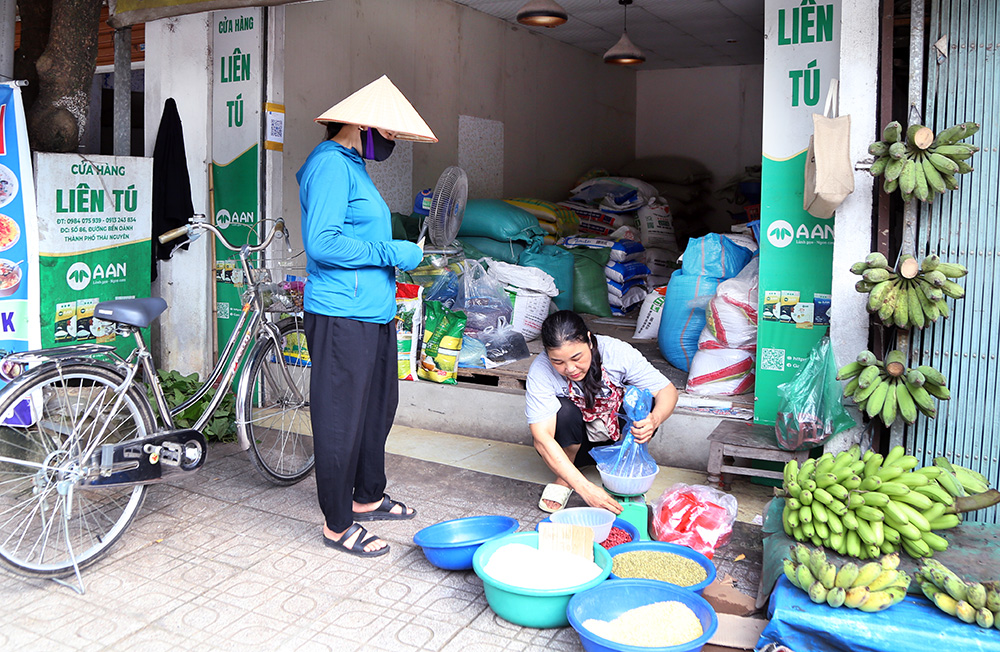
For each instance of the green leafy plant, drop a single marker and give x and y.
(178, 387)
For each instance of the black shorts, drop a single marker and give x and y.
(572, 430)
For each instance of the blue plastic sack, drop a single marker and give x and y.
(683, 316)
(714, 255)
(628, 459)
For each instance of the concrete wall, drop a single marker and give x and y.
(564, 110)
(713, 115)
(183, 337)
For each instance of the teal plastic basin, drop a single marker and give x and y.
(541, 609)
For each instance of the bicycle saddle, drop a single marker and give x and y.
(133, 312)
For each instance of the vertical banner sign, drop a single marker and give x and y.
(237, 97)
(18, 233)
(801, 56)
(94, 225)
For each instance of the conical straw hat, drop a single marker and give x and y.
(381, 105)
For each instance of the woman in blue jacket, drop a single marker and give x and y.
(349, 310)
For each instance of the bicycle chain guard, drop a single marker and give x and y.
(141, 461)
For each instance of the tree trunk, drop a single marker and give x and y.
(36, 20)
(65, 74)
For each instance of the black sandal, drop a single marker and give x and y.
(358, 548)
(384, 512)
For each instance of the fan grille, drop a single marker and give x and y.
(447, 206)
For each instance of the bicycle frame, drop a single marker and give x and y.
(251, 324)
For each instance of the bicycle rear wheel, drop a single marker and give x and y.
(276, 414)
(49, 517)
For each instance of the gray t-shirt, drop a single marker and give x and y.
(622, 362)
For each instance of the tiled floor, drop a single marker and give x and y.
(221, 560)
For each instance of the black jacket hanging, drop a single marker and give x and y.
(172, 205)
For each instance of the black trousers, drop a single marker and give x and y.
(353, 396)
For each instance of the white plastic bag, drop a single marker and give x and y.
(527, 278)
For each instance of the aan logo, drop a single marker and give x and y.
(781, 234)
(78, 276)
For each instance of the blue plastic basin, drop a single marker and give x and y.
(609, 600)
(662, 546)
(451, 544)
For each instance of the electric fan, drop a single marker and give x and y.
(447, 207)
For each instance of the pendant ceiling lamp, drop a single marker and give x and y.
(542, 13)
(624, 52)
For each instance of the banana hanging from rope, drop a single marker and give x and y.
(889, 390)
(919, 163)
(912, 294)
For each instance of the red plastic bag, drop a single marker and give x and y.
(695, 516)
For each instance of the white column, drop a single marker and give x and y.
(8, 14)
(859, 99)
(178, 65)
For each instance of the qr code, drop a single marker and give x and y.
(277, 130)
(222, 310)
(772, 359)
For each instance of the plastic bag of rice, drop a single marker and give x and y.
(660, 624)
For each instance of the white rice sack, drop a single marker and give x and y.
(721, 372)
(620, 251)
(657, 225)
(648, 325)
(730, 325)
(662, 262)
(525, 566)
(624, 272)
(628, 300)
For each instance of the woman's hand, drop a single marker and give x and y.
(597, 497)
(644, 429)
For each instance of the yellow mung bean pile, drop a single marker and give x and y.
(663, 566)
(654, 625)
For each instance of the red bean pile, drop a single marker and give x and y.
(616, 536)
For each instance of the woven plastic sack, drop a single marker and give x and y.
(558, 263)
(508, 250)
(695, 516)
(714, 255)
(496, 219)
(721, 372)
(590, 286)
(684, 317)
(810, 410)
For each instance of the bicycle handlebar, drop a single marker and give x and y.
(199, 223)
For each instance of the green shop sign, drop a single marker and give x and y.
(801, 56)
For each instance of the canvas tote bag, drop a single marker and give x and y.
(829, 173)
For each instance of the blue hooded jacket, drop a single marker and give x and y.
(347, 231)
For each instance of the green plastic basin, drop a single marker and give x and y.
(538, 608)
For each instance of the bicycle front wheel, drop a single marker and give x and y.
(276, 407)
(49, 517)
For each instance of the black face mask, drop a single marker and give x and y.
(375, 147)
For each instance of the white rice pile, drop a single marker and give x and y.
(524, 566)
(654, 625)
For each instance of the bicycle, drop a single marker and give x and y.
(79, 440)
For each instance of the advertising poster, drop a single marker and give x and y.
(237, 98)
(94, 224)
(801, 56)
(18, 245)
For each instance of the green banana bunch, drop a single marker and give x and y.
(876, 586)
(889, 390)
(971, 482)
(867, 506)
(971, 602)
(920, 164)
(911, 295)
